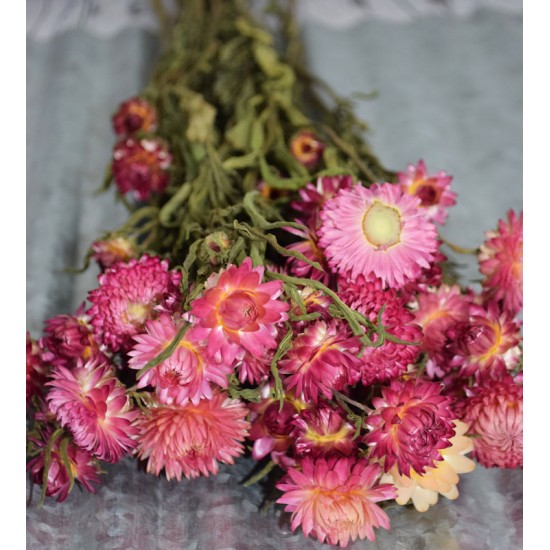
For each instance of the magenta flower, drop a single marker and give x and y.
(134, 115)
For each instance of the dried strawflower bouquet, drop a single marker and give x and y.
(276, 292)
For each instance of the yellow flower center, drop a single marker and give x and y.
(138, 313)
(382, 225)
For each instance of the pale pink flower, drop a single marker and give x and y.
(238, 312)
(92, 404)
(190, 440)
(380, 231)
(334, 499)
(110, 250)
(434, 191)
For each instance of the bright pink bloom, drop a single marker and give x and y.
(306, 148)
(323, 431)
(90, 401)
(380, 231)
(501, 261)
(335, 499)
(134, 115)
(187, 373)
(495, 415)
(314, 301)
(322, 359)
(411, 422)
(109, 251)
(238, 312)
(84, 468)
(191, 440)
(37, 368)
(129, 295)
(255, 369)
(390, 360)
(434, 191)
(141, 167)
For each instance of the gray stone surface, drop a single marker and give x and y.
(450, 93)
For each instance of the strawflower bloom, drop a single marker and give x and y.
(306, 148)
(411, 424)
(380, 231)
(495, 414)
(37, 368)
(335, 499)
(187, 374)
(308, 247)
(434, 191)
(109, 251)
(84, 468)
(140, 167)
(129, 294)
(501, 261)
(255, 369)
(134, 115)
(322, 359)
(238, 312)
(191, 440)
(442, 479)
(92, 404)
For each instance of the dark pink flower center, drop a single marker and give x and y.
(239, 311)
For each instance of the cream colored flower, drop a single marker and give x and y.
(442, 479)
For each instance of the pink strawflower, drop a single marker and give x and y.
(141, 167)
(314, 301)
(486, 344)
(238, 312)
(380, 231)
(495, 414)
(434, 191)
(323, 431)
(130, 294)
(309, 248)
(306, 148)
(390, 360)
(191, 440)
(411, 423)
(37, 368)
(134, 115)
(187, 374)
(322, 359)
(335, 499)
(501, 261)
(255, 369)
(83, 467)
(90, 401)
(109, 251)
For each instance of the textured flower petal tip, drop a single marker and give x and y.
(322, 359)
(130, 294)
(109, 251)
(238, 312)
(410, 425)
(134, 115)
(434, 191)
(501, 261)
(379, 231)
(191, 440)
(90, 401)
(187, 374)
(306, 148)
(334, 500)
(495, 415)
(423, 490)
(82, 466)
(141, 167)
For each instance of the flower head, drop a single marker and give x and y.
(238, 312)
(134, 115)
(434, 191)
(191, 440)
(130, 294)
(379, 231)
(37, 368)
(109, 251)
(309, 248)
(81, 466)
(90, 401)
(306, 148)
(187, 373)
(335, 499)
(141, 167)
(495, 414)
(322, 359)
(410, 425)
(501, 261)
(423, 490)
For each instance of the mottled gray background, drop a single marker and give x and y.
(450, 92)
